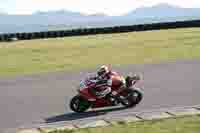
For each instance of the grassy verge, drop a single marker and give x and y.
(75, 53)
(172, 125)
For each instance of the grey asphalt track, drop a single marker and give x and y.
(35, 99)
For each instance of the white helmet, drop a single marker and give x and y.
(103, 71)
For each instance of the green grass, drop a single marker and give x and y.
(76, 53)
(172, 125)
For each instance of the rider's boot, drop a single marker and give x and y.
(112, 99)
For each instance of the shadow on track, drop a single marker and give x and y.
(77, 116)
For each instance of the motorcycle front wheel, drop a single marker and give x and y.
(79, 104)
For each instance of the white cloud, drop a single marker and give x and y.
(111, 7)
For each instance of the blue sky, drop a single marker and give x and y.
(109, 7)
(7, 5)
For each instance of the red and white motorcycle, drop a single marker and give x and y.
(86, 99)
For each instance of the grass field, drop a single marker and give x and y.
(172, 125)
(75, 53)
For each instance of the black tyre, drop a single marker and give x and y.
(132, 98)
(78, 104)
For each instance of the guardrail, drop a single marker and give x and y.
(92, 31)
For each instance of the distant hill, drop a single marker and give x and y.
(63, 19)
(164, 10)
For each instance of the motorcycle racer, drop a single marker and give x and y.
(105, 80)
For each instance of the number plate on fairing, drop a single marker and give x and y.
(82, 85)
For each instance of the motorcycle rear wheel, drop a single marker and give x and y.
(79, 104)
(132, 98)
